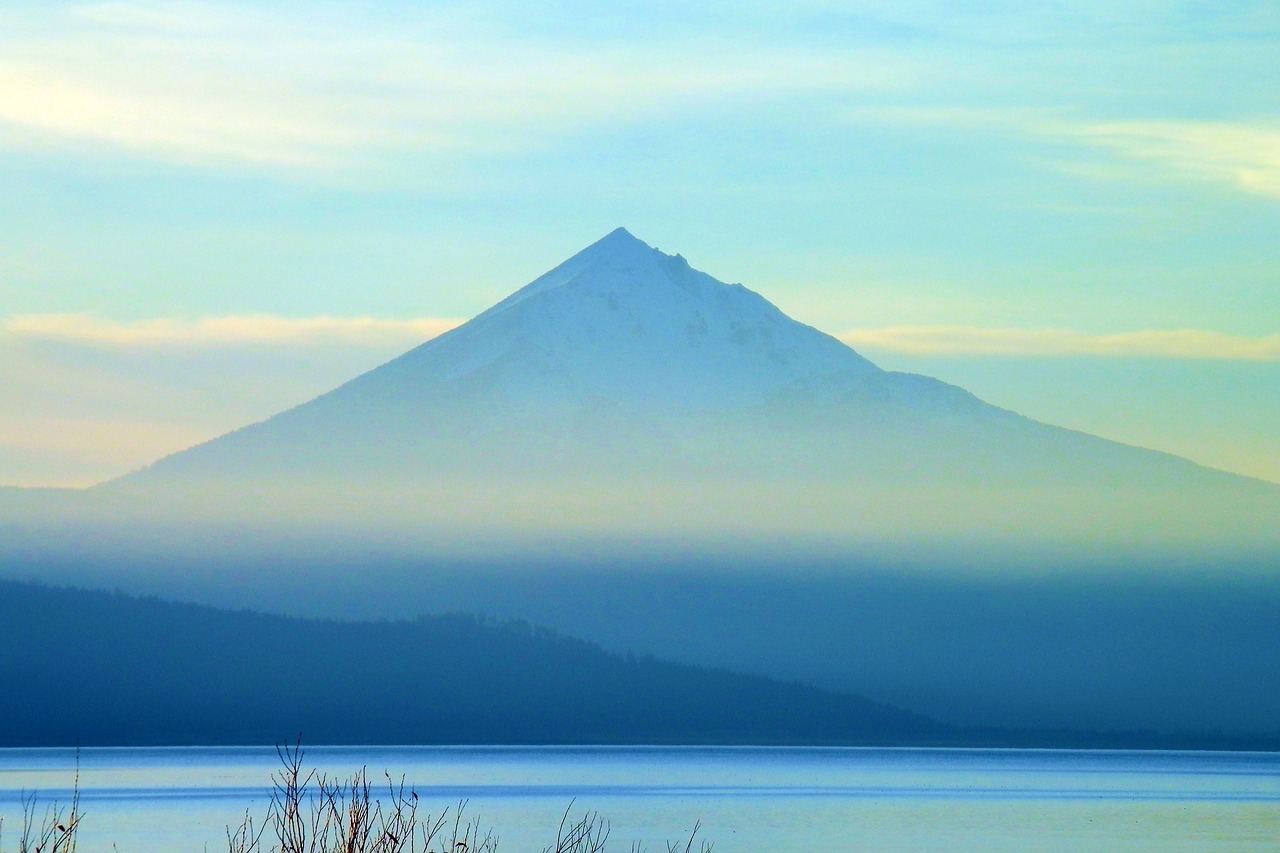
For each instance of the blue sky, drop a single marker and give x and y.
(211, 211)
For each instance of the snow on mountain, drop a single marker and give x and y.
(626, 388)
(623, 322)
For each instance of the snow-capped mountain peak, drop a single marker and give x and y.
(625, 376)
(617, 250)
(624, 322)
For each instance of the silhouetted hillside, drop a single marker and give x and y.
(83, 667)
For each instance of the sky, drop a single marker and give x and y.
(213, 211)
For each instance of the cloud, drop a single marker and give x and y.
(214, 84)
(969, 340)
(180, 15)
(95, 440)
(224, 331)
(1244, 154)
(83, 398)
(381, 333)
(955, 117)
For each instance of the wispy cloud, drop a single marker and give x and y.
(227, 85)
(382, 333)
(1154, 343)
(222, 331)
(96, 439)
(1245, 154)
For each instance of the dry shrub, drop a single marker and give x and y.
(55, 830)
(312, 813)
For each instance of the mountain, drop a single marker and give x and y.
(626, 392)
(608, 357)
(632, 452)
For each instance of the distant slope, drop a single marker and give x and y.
(616, 358)
(88, 668)
(626, 392)
(96, 668)
(624, 360)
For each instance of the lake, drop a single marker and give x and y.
(780, 800)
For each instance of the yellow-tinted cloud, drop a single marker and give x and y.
(265, 329)
(1243, 153)
(96, 440)
(40, 102)
(226, 85)
(219, 331)
(1246, 154)
(1152, 343)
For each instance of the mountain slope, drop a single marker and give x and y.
(592, 361)
(625, 390)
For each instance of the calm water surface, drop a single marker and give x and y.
(782, 800)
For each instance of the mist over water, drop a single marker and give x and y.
(1176, 643)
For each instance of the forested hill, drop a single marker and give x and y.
(98, 668)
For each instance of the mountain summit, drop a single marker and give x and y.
(622, 322)
(624, 386)
(622, 358)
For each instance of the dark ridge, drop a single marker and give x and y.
(101, 668)
(90, 668)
